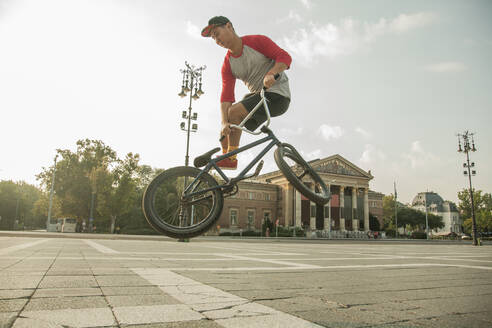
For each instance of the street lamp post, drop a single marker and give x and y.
(51, 196)
(396, 212)
(426, 219)
(192, 80)
(466, 137)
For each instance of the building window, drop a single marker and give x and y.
(267, 196)
(267, 215)
(233, 217)
(251, 195)
(251, 219)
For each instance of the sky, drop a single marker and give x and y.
(385, 84)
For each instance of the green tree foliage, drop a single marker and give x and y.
(483, 210)
(94, 170)
(407, 217)
(17, 203)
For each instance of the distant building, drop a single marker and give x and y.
(271, 196)
(445, 209)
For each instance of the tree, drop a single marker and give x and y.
(481, 202)
(17, 201)
(79, 175)
(121, 190)
(483, 210)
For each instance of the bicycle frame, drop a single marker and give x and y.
(213, 162)
(230, 181)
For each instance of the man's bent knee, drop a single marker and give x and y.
(237, 113)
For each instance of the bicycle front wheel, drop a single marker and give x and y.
(301, 174)
(171, 212)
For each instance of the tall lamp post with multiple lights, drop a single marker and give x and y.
(466, 138)
(192, 83)
(48, 220)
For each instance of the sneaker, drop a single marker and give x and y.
(227, 164)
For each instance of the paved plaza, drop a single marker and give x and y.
(69, 282)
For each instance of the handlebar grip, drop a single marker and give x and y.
(276, 76)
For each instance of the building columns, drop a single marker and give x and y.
(327, 216)
(342, 208)
(366, 209)
(298, 208)
(355, 219)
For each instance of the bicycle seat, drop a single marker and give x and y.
(203, 160)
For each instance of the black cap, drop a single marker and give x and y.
(214, 22)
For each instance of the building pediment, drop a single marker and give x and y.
(338, 165)
(335, 165)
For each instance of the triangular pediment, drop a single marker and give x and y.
(335, 165)
(338, 165)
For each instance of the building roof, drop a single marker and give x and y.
(335, 165)
(434, 201)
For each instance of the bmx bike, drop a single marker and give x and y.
(185, 201)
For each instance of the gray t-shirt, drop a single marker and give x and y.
(257, 58)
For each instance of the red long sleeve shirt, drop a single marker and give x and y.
(258, 56)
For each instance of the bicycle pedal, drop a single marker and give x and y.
(258, 168)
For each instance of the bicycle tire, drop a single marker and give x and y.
(165, 211)
(286, 153)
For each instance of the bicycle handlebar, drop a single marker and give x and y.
(267, 111)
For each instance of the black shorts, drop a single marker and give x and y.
(277, 104)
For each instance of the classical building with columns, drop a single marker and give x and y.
(271, 196)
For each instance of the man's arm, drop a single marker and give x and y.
(224, 110)
(269, 78)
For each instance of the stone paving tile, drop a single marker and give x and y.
(68, 282)
(15, 293)
(277, 320)
(155, 314)
(146, 290)
(140, 300)
(94, 317)
(331, 319)
(12, 305)
(183, 324)
(57, 303)
(462, 320)
(6, 318)
(111, 271)
(64, 292)
(69, 272)
(19, 282)
(133, 280)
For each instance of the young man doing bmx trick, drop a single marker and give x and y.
(254, 59)
(185, 201)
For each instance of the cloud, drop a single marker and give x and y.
(315, 154)
(446, 67)
(292, 16)
(418, 157)
(330, 132)
(193, 30)
(404, 23)
(290, 132)
(371, 154)
(307, 3)
(363, 132)
(334, 40)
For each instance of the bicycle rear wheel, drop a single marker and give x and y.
(170, 212)
(301, 174)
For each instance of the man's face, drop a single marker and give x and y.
(222, 35)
